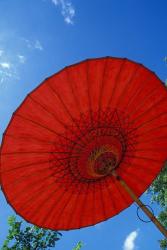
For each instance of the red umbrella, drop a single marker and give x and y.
(81, 140)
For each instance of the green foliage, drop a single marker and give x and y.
(163, 217)
(163, 244)
(159, 188)
(21, 237)
(78, 246)
(158, 191)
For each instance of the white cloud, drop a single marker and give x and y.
(22, 59)
(14, 56)
(129, 243)
(5, 65)
(37, 45)
(67, 10)
(6, 74)
(33, 44)
(8, 66)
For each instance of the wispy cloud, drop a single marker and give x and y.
(9, 65)
(37, 45)
(129, 243)
(5, 65)
(13, 56)
(33, 44)
(21, 58)
(7, 72)
(67, 10)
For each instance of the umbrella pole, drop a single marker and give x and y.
(140, 204)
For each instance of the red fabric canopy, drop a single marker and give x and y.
(63, 142)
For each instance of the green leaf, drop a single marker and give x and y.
(78, 246)
(25, 237)
(158, 190)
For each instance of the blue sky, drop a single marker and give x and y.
(38, 38)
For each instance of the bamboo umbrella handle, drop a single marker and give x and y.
(140, 204)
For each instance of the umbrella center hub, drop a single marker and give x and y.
(98, 158)
(101, 162)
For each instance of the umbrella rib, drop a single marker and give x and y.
(144, 113)
(76, 201)
(63, 104)
(59, 165)
(55, 117)
(72, 90)
(93, 204)
(144, 141)
(115, 82)
(118, 120)
(39, 190)
(137, 166)
(153, 129)
(61, 152)
(88, 92)
(74, 207)
(120, 126)
(17, 182)
(35, 193)
(57, 200)
(66, 109)
(110, 195)
(51, 211)
(151, 149)
(40, 204)
(146, 122)
(152, 139)
(32, 138)
(83, 205)
(102, 89)
(120, 193)
(127, 84)
(65, 158)
(142, 157)
(43, 141)
(27, 165)
(34, 152)
(139, 90)
(134, 177)
(46, 128)
(141, 103)
(34, 173)
(101, 194)
(76, 101)
(48, 111)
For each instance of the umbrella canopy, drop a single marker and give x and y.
(71, 132)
